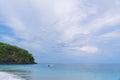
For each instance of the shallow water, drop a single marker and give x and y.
(60, 72)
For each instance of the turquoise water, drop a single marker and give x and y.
(60, 72)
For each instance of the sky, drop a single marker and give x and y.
(63, 31)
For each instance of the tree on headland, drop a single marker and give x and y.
(10, 54)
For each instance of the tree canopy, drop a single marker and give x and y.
(10, 54)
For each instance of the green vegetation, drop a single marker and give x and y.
(10, 54)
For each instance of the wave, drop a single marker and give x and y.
(8, 76)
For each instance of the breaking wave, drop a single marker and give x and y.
(8, 76)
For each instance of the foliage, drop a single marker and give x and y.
(10, 54)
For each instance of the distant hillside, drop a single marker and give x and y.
(10, 54)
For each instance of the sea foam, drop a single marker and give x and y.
(8, 76)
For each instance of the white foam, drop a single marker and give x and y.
(8, 76)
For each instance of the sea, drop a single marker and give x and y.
(60, 72)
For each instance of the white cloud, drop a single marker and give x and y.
(110, 35)
(108, 19)
(117, 2)
(70, 14)
(87, 49)
(41, 24)
(72, 33)
(71, 25)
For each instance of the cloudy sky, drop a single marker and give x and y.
(63, 31)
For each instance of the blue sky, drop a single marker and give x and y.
(63, 31)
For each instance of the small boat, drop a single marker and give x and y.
(49, 65)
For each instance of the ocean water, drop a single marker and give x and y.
(60, 72)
